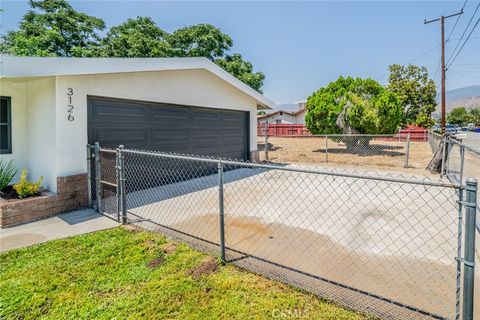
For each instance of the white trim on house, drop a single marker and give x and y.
(18, 67)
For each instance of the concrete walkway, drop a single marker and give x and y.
(61, 226)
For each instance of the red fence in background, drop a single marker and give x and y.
(282, 130)
(300, 130)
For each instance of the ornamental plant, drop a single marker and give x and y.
(27, 188)
(7, 172)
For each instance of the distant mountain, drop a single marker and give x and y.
(461, 93)
(468, 97)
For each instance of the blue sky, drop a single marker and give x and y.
(301, 46)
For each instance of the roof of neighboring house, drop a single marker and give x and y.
(16, 67)
(292, 113)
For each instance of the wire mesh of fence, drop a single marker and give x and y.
(397, 151)
(380, 243)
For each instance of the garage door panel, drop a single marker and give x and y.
(108, 112)
(206, 114)
(120, 134)
(170, 115)
(168, 134)
(206, 132)
(168, 128)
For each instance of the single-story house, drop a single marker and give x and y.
(52, 107)
(285, 116)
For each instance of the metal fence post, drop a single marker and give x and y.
(462, 161)
(122, 184)
(266, 138)
(221, 210)
(459, 254)
(469, 253)
(407, 152)
(89, 175)
(118, 179)
(326, 148)
(442, 170)
(98, 177)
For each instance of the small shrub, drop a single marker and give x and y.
(7, 172)
(27, 188)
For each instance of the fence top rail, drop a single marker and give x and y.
(108, 150)
(466, 146)
(293, 169)
(360, 134)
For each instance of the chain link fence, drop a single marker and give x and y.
(389, 245)
(399, 152)
(461, 162)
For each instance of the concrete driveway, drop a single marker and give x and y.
(61, 226)
(394, 240)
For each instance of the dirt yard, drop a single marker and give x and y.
(381, 154)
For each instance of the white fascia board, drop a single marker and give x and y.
(21, 67)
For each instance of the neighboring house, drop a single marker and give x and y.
(286, 116)
(52, 107)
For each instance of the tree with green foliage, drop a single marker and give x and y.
(353, 106)
(475, 113)
(350, 105)
(416, 92)
(242, 70)
(138, 38)
(200, 40)
(53, 28)
(460, 116)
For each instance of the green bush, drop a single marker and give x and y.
(7, 172)
(27, 188)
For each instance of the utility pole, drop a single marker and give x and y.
(442, 22)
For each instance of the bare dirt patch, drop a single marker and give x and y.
(207, 266)
(169, 248)
(132, 228)
(379, 155)
(156, 262)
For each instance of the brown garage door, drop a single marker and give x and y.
(168, 128)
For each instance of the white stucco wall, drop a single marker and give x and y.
(15, 88)
(33, 127)
(192, 87)
(41, 130)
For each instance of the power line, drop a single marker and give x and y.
(425, 53)
(442, 60)
(412, 60)
(456, 22)
(464, 31)
(436, 71)
(465, 74)
(463, 45)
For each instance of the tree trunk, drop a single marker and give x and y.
(435, 165)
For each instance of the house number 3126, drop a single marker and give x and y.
(70, 106)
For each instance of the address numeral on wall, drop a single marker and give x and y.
(70, 107)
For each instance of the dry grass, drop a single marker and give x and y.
(380, 155)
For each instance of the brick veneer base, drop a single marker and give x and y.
(71, 194)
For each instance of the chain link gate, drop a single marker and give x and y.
(388, 245)
(106, 181)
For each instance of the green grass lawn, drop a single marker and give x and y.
(110, 275)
